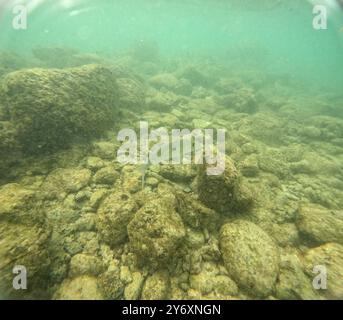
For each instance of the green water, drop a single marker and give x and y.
(88, 227)
(284, 32)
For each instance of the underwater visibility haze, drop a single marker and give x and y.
(77, 223)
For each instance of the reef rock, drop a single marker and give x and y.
(321, 225)
(329, 256)
(225, 192)
(114, 215)
(17, 204)
(22, 245)
(156, 232)
(50, 108)
(250, 256)
(131, 94)
(80, 288)
(63, 181)
(293, 283)
(172, 83)
(83, 264)
(156, 286)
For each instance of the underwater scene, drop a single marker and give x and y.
(171, 150)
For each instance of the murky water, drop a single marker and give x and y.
(79, 80)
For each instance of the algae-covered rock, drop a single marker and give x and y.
(293, 283)
(156, 232)
(273, 161)
(156, 286)
(131, 94)
(210, 280)
(107, 175)
(161, 101)
(194, 213)
(250, 256)
(329, 256)
(217, 191)
(195, 76)
(171, 82)
(80, 288)
(63, 181)
(114, 215)
(17, 204)
(9, 147)
(50, 108)
(22, 245)
(104, 150)
(133, 290)
(83, 264)
(178, 173)
(96, 198)
(112, 286)
(94, 163)
(224, 192)
(244, 100)
(321, 225)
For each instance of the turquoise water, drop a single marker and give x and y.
(87, 226)
(282, 32)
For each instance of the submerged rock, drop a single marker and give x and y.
(293, 283)
(111, 284)
(156, 286)
(27, 246)
(60, 182)
(51, 108)
(329, 256)
(114, 215)
(80, 288)
(156, 232)
(321, 225)
(133, 290)
(224, 192)
(84, 264)
(17, 204)
(250, 256)
(107, 175)
(172, 83)
(131, 94)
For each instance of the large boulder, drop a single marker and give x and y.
(131, 94)
(23, 246)
(250, 256)
(224, 192)
(23, 242)
(50, 108)
(156, 232)
(114, 215)
(321, 225)
(329, 256)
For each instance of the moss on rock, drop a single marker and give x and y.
(50, 108)
(114, 215)
(156, 232)
(250, 256)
